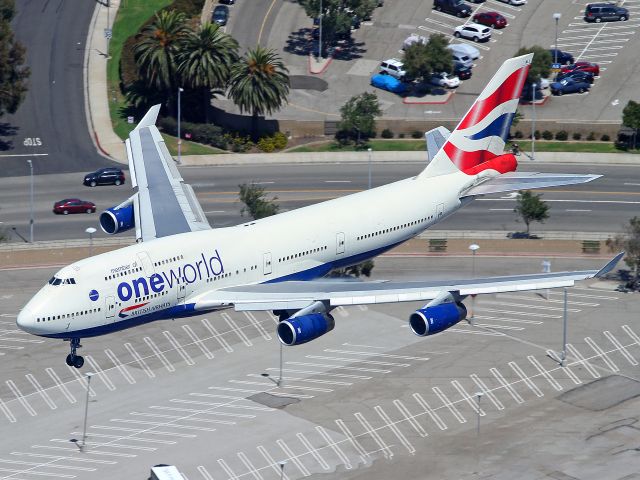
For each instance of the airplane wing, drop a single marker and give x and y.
(163, 205)
(292, 295)
(514, 181)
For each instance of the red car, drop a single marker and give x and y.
(73, 205)
(490, 19)
(582, 67)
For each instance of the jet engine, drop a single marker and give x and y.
(435, 319)
(304, 328)
(119, 218)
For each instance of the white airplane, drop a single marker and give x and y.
(181, 267)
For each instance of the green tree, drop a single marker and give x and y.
(531, 208)
(13, 73)
(541, 64)
(629, 242)
(358, 116)
(204, 60)
(421, 60)
(255, 201)
(259, 84)
(157, 51)
(631, 119)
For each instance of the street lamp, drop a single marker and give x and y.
(180, 90)
(533, 121)
(320, 34)
(478, 397)
(266, 375)
(86, 411)
(556, 17)
(30, 200)
(282, 463)
(474, 247)
(369, 150)
(90, 231)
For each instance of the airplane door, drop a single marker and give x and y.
(266, 263)
(439, 211)
(109, 307)
(147, 264)
(339, 243)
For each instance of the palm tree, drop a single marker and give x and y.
(205, 59)
(259, 84)
(156, 53)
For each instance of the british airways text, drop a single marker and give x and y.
(187, 273)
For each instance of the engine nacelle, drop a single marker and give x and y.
(431, 320)
(118, 219)
(302, 329)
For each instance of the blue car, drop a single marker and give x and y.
(564, 58)
(568, 85)
(387, 82)
(578, 75)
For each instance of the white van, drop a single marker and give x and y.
(465, 49)
(393, 67)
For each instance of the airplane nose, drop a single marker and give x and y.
(25, 320)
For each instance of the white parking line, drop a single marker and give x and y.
(374, 354)
(358, 369)
(247, 463)
(450, 406)
(286, 387)
(136, 356)
(18, 394)
(534, 361)
(174, 418)
(227, 469)
(196, 340)
(223, 343)
(524, 314)
(621, 348)
(334, 446)
(594, 373)
(392, 426)
(154, 348)
(510, 320)
(347, 433)
(409, 417)
(203, 471)
(56, 379)
(114, 445)
(162, 424)
(612, 366)
(528, 382)
(386, 451)
(181, 351)
(310, 380)
(311, 372)
(313, 451)
(257, 325)
(216, 404)
(43, 393)
(538, 299)
(121, 368)
(487, 391)
(506, 385)
(565, 369)
(467, 398)
(100, 373)
(129, 438)
(7, 412)
(136, 431)
(294, 458)
(372, 362)
(74, 449)
(427, 408)
(271, 462)
(235, 328)
(30, 471)
(580, 37)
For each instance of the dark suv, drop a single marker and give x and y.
(454, 7)
(605, 12)
(220, 15)
(104, 176)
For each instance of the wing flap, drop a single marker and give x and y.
(516, 181)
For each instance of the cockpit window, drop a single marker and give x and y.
(64, 281)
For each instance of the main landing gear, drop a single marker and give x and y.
(74, 360)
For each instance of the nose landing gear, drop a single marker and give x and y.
(74, 360)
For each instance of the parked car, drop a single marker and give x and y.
(578, 75)
(393, 67)
(454, 7)
(469, 50)
(461, 71)
(515, 2)
(73, 205)
(582, 66)
(387, 82)
(220, 15)
(605, 12)
(444, 79)
(520, 235)
(568, 85)
(529, 94)
(104, 176)
(472, 31)
(476, 1)
(227, 2)
(564, 58)
(414, 38)
(490, 19)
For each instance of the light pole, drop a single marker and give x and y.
(563, 355)
(86, 411)
(533, 121)
(369, 150)
(30, 162)
(474, 247)
(266, 375)
(478, 397)
(180, 90)
(320, 34)
(90, 231)
(556, 17)
(282, 464)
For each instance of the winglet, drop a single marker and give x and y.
(150, 117)
(609, 266)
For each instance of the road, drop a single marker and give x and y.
(600, 206)
(51, 122)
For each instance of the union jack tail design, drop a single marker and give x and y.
(482, 133)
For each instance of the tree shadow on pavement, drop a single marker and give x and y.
(300, 42)
(349, 50)
(7, 130)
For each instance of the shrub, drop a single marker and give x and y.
(386, 133)
(576, 136)
(279, 140)
(537, 134)
(401, 135)
(266, 144)
(238, 143)
(200, 132)
(416, 134)
(518, 134)
(605, 138)
(562, 135)
(591, 137)
(547, 135)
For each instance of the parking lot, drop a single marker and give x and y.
(612, 44)
(364, 400)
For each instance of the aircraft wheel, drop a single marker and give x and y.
(70, 360)
(78, 362)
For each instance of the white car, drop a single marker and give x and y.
(444, 79)
(393, 67)
(515, 2)
(473, 31)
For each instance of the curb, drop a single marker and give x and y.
(324, 67)
(446, 100)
